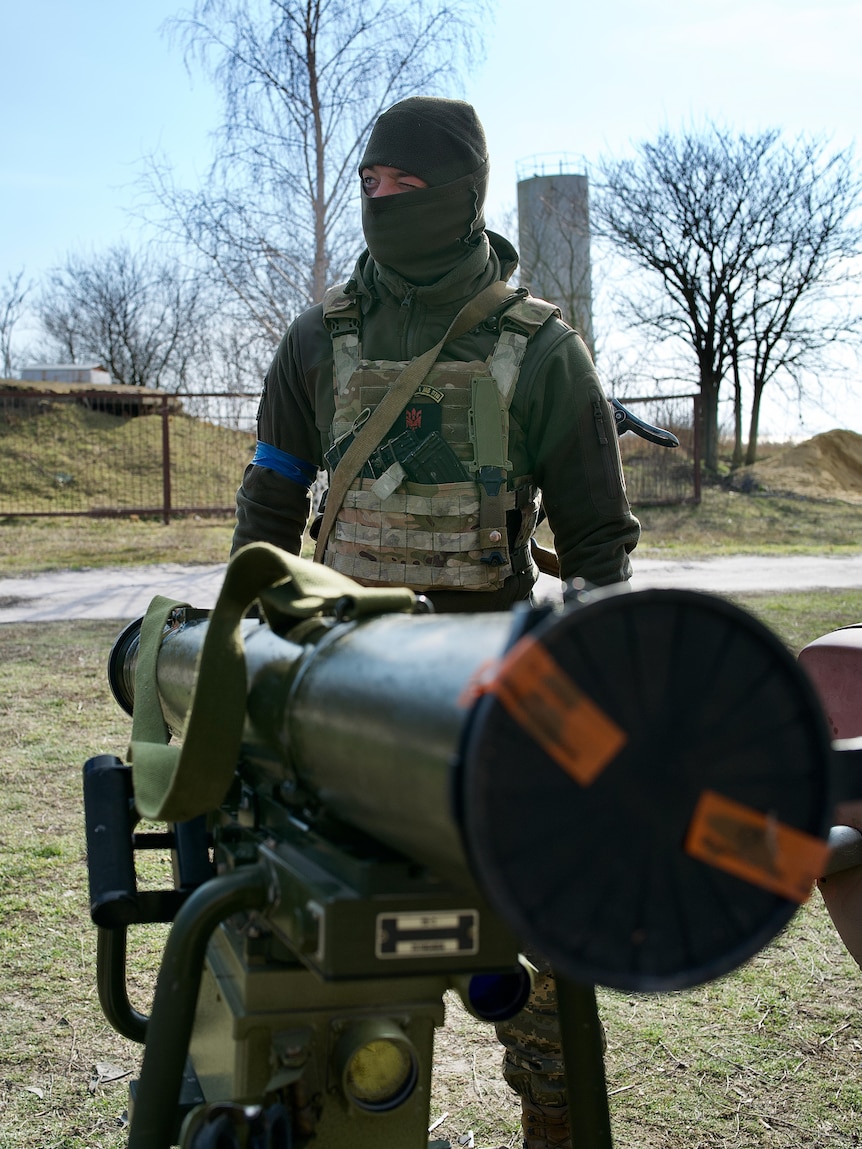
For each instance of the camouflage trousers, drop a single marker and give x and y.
(533, 1063)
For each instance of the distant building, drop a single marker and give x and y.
(88, 384)
(554, 236)
(90, 374)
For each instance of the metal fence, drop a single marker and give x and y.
(99, 453)
(657, 476)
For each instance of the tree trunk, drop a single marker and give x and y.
(751, 453)
(320, 269)
(737, 409)
(709, 408)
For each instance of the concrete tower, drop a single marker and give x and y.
(554, 236)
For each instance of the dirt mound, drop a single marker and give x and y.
(829, 466)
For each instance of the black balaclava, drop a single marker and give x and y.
(424, 234)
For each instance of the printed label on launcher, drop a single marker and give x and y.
(423, 935)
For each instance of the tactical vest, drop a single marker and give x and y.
(437, 506)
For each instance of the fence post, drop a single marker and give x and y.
(166, 462)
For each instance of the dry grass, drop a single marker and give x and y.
(827, 466)
(799, 499)
(54, 703)
(768, 1056)
(728, 522)
(64, 457)
(30, 546)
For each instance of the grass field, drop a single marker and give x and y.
(725, 523)
(770, 1055)
(64, 457)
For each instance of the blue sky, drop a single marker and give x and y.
(594, 77)
(89, 87)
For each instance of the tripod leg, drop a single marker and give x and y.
(581, 1029)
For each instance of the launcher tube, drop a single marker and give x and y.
(369, 719)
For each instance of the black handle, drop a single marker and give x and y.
(109, 820)
(624, 421)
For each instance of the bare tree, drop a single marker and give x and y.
(746, 242)
(301, 82)
(12, 297)
(796, 305)
(137, 316)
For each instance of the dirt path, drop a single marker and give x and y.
(125, 592)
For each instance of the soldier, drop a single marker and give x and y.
(444, 404)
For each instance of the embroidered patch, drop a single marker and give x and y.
(421, 418)
(426, 392)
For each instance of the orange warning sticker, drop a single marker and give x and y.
(755, 847)
(555, 712)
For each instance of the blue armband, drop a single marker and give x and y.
(292, 467)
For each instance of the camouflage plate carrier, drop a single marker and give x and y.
(429, 510)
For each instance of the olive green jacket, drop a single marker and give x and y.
(562, 431)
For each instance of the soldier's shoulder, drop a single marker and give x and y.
(550, 329)
(340, 300)
(306, 341)
(308, 320)
(557, 347)
(307, 329)
(531, 312)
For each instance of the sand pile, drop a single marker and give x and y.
(829, 466)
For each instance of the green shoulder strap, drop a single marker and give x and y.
(342, 316)
(174, 783)
(518, 324)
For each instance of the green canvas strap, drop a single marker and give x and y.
(173, 783)
(342, 315)
(489, 431)
(148, 724)
(476, 311)
(518, 324)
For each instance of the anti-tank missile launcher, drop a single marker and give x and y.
(373, 804)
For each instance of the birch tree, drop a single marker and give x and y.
(301, 83)
(13, 295)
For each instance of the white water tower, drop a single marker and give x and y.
(554, 236)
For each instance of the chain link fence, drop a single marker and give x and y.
(104, 453)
